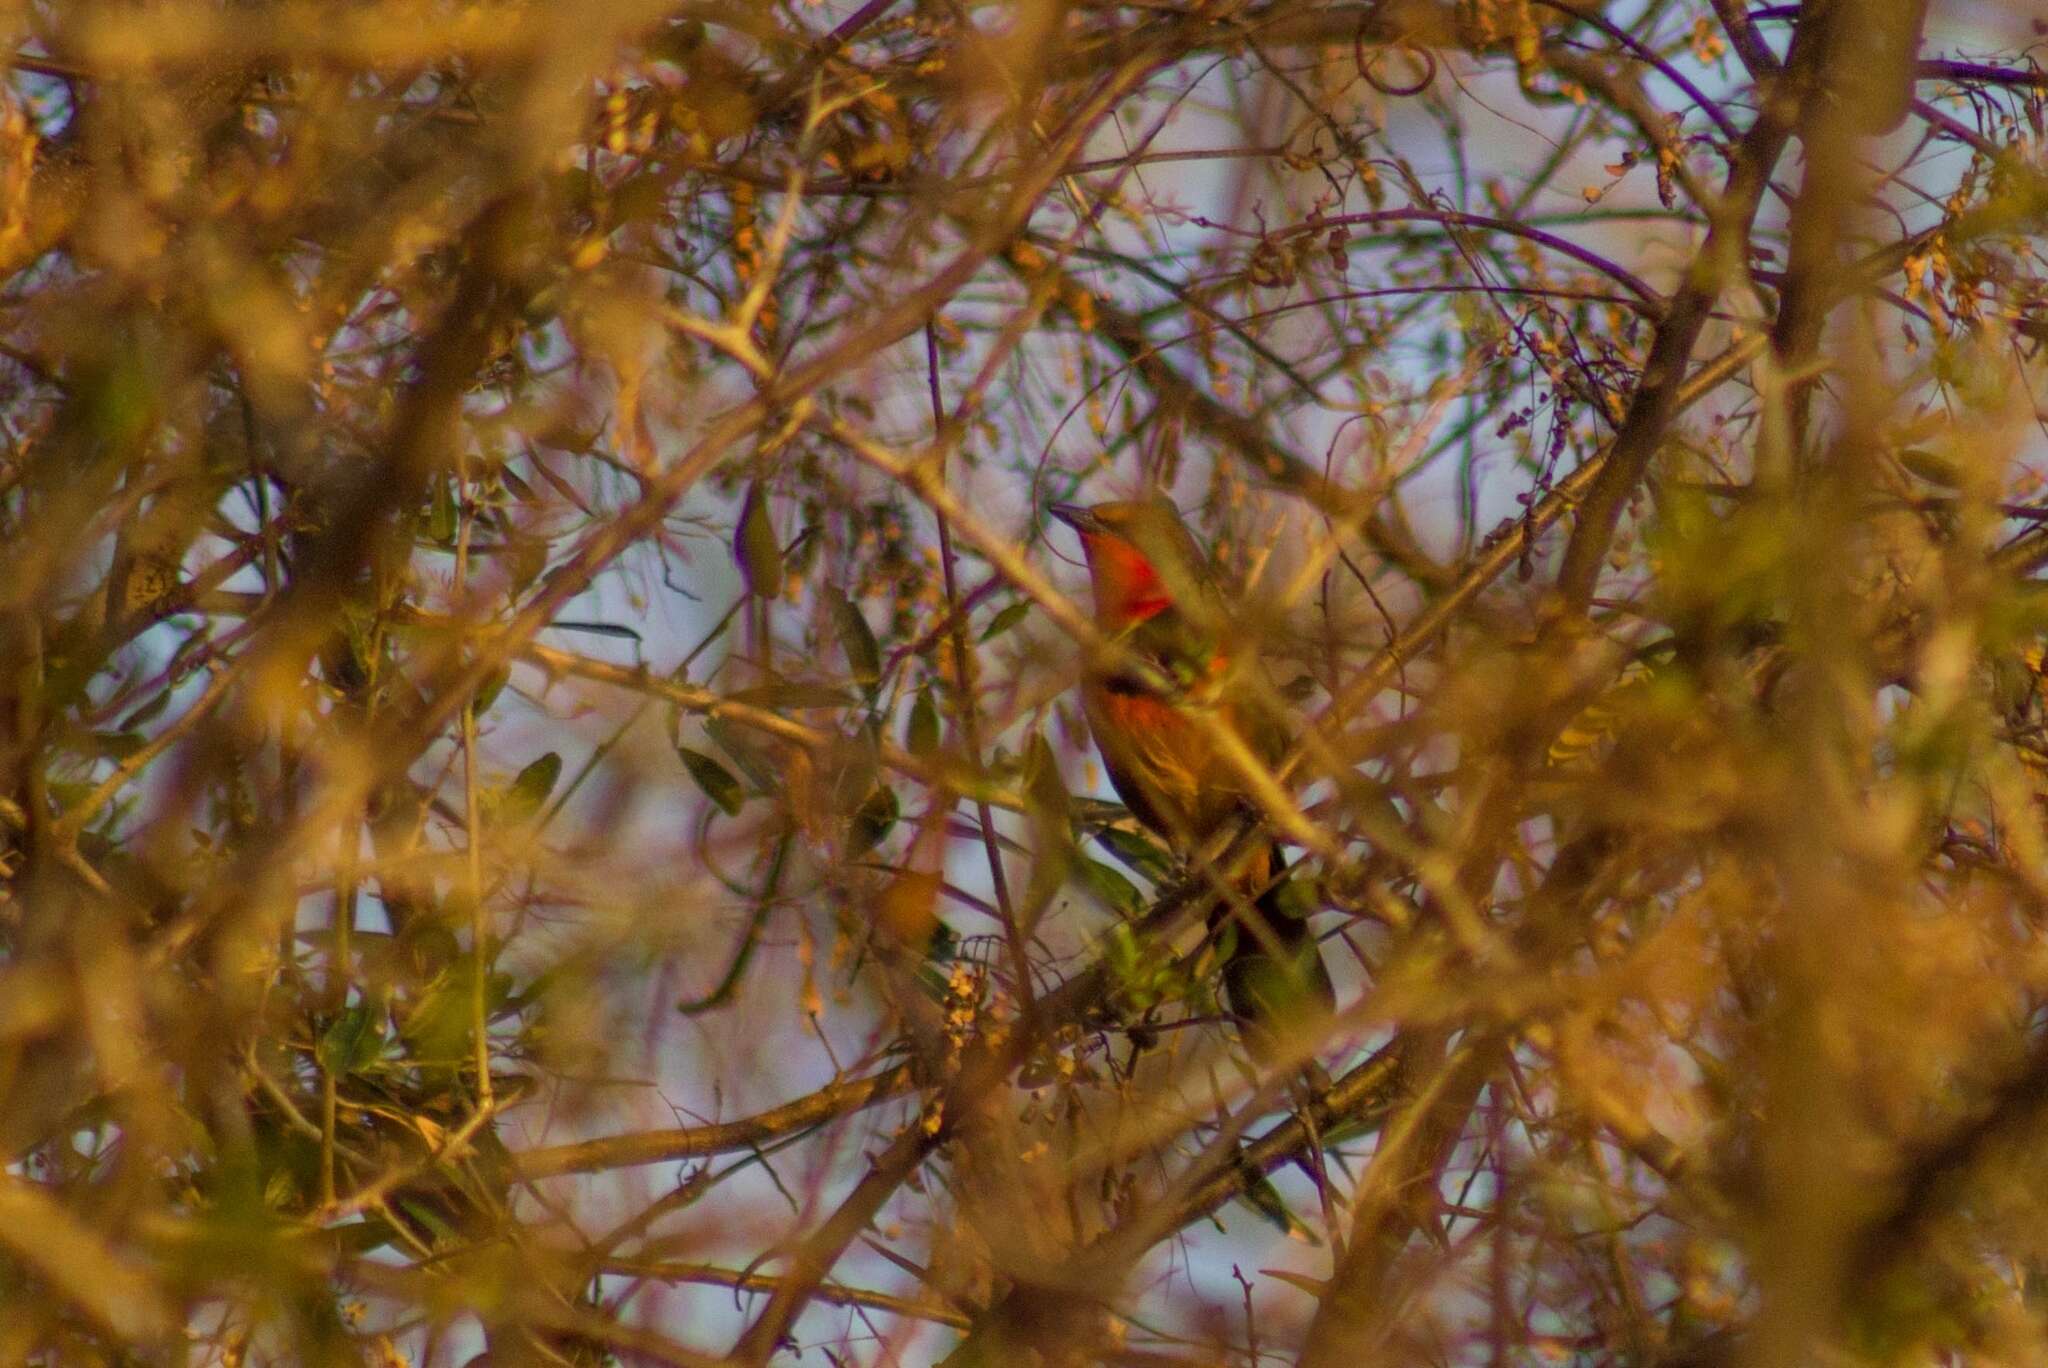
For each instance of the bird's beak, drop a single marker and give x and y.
(1081, 519)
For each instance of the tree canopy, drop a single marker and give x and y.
(543, 816)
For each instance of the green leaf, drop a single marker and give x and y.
(790, 695)
(2012, 684)
(1113, 888)
(856, 638)
(1045, 787)
(941, 950)
(755, 762)
(676, 41)
(1294, 898)
(640, 198)
(359, 1236)
(755, 548)
(1931, 468)
(352, 1041)
(530, 789)
(872, 821)
(519, 488)
(921, 734)
(441, 512)
(714, 779)
(119, 745)
(146, 712)
(426, 1216)
(1137, 852)
(1005, 620)
(438, 1026)
(1124, 957)
(487, 692)
(67, 792)
(428, 947)
(1298, 688)
(852, 770)
(605, 629)
(281, 1192)
(1261, 1196)
(525, 558)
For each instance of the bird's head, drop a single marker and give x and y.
(1141, 559)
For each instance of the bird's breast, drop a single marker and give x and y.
(1160, 760)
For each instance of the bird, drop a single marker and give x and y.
(1156, 598)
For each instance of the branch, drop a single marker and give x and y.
(660, 1146)
(1655, 401)
(1932, 1182)
(1585, 256)
(65, 830)
(835, 1293)
(1247, 439)
(74, 1262)
(399, 737)
(1393, 1197)
(815, 1257)
(1754, 52)
(1965, 73)
(1646, 54)
(1513, 540)
(1362, 1096)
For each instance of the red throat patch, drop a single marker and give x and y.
(1127, 587)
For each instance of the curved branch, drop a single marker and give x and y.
(1452, 217)
(1644, 53)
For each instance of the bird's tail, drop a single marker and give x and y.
(1274, 979)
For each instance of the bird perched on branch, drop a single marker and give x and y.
(1157, 599)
